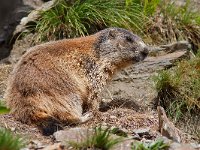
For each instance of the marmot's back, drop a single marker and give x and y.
(54, 83)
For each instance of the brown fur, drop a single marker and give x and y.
(55, 83)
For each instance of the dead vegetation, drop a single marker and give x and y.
(178, 92)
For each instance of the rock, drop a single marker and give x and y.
(133, 87)
(195, 145)
(136, 137)
(167, 128)
(55, 146)
(81, 134)
(11, 13)
(12, 129)
(23, 44)
(33, 16)
(35, 144)
(4, 72)
(125, 145)
(20, 47)
(119, 132)
(142, 131)
(176, 146)
(33, 3)
(78, 134)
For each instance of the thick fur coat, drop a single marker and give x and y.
(55, 83)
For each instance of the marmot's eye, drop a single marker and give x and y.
(129, 39)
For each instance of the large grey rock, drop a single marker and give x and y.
(11, 13)
(78, 134)
(133, 87)
(142, 131)
(23, 44)
(81, 134)
(32, 16)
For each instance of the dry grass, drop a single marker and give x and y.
(178, 93)
(174, 23)
(125, 118)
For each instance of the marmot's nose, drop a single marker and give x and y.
(145, 51)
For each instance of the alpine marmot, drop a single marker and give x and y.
(58, 82)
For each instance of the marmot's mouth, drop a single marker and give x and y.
(139, 57)
(145, 51)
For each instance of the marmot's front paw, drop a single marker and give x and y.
(86, 117)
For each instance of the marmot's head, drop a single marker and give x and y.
(121, 46)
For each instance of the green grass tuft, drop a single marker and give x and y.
(148, 7)
(178, 88)
(3, 108)
(10, 142)
(157, 145)
(81, 18)
(101, 139)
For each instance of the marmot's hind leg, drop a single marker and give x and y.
(49, 125)
(63, 116)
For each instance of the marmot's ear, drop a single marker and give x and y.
(111, 34)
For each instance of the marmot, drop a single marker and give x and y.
(57, 82)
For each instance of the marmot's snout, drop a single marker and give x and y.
(145, 51)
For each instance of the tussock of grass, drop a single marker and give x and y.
(174, 23)
(157, 145)
(101, 139)
(10, 142)
(168, 22)
(81, 18)
(148, 7)
(179, 88)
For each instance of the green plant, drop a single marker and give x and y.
(157, 145)
(10, 142)
(85, 17)
(100, 139)
(178, 88)
(173, 23)
(150, 6)
(181, 14)
(3, 108)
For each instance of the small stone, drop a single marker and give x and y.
(35, 144)
(55, 146)
(142, 131)
(12, 129)
(113, 117)
(136, 137)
